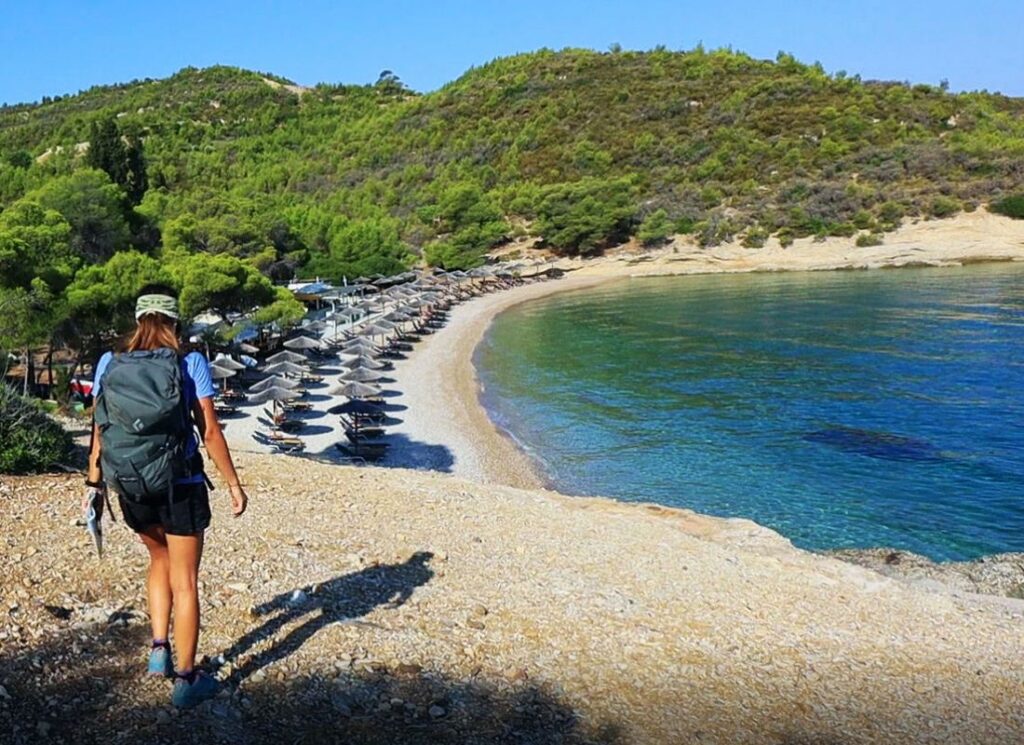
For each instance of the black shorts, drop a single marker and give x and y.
(187, 513)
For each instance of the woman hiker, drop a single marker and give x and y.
(149, 400)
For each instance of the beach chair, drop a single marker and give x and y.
(280, 444)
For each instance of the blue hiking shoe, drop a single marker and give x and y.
(160, 662)
(186, 695)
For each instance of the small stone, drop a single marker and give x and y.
(162, 717)
(43, 728)
(480, 610)
(407, 668)
(220, 709)
(475, 624)
(298, 598)
(237, 586)
(436, 712)
(4, 694)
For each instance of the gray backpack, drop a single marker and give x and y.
(144, 425)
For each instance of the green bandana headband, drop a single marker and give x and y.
(164, 304)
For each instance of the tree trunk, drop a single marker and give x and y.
(29, 369)
(49, 370)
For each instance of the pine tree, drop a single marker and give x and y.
(121, 158)
(107, 151)
(136, 181)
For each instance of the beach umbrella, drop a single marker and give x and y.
(227, 363)
(355, 406)
(346, 315)
(363, 360)
(360, 351)
(274, 381)
(287, 357)
(220, 373)
(377, 328)
(303, 342)
(353, 389)
(275, 394)
(360, 375)
(285, 368)
(314, 326)
(360, 343)
(248, 348)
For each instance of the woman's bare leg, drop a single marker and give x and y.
(185, 553)
(158, 582)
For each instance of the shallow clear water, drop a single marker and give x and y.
(844, 409)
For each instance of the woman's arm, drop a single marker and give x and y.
(94, 473)
(217, 447)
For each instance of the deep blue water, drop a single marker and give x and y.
(843, 409)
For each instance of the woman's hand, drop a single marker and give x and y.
(239, 500)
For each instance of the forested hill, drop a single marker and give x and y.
(579, 148)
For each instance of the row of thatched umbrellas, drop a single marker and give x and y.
(370, 321)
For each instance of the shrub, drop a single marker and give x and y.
(863, 220)
(890, 214)
(755, 237)
(843, 229)
(944, 207)
(785, 236)
(714, 231)
(869, 239)
(655, 229)
(30, 441)
(1011, 206)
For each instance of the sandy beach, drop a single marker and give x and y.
(445, 428)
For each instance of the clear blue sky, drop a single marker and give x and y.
(61, 46)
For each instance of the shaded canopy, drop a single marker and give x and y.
(285, 368)
(353, 389)
(363, 360)
(303, 342)
(227, 363)
(219, 373)
(274, 394)
(360, 375)
(274, 381)
(355, 406)
(287, 357)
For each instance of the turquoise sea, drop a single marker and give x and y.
(843, 409)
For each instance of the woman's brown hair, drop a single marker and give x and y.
(153, 331)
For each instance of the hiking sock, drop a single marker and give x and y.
(157, 643)
(189, 676)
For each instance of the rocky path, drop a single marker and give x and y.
(391, 606)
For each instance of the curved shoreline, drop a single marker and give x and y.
(440, 375)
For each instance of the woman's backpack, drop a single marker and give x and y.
(143, 422)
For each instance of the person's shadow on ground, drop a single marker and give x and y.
(349, 596)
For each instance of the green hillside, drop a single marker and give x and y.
(249, 173)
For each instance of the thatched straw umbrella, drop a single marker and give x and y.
(274, 381)
(360, 375)
(285, 368)
(353, 389)
(287, 357)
